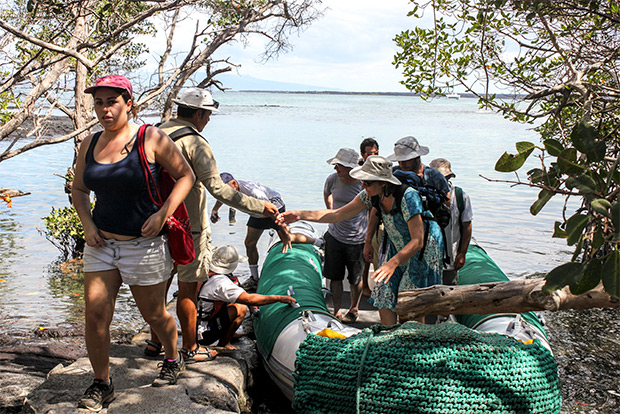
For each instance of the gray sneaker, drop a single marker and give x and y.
(170, 370)
(96, 395)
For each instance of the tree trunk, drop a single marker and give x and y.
(516, 296)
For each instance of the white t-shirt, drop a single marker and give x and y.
(453, 231)
(219, 288)
(262, 192)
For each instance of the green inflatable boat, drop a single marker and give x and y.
(479, 364)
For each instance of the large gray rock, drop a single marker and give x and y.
(24, 367)
(217, 386)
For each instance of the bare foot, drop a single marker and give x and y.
(230, 347)
(338, 315)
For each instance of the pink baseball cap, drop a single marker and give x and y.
(111, 81)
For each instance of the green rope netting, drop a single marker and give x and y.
(416, 368)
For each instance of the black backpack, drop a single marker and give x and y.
(433, 200)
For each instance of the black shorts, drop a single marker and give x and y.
(264, 223)
(340, 256)
(218, 325)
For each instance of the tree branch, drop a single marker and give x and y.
(50, 46)
(48, 141)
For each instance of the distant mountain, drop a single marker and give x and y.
(249, 83)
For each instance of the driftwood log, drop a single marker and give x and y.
(516, 296)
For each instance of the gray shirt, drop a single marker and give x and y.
(353, 230)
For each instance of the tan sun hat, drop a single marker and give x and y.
(225, 259)
(197, 98)
(375, 168)
(347, 157)
(407, 148)
(443, 166)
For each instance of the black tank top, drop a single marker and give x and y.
(122, 202)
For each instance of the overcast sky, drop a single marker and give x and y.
(349, 48)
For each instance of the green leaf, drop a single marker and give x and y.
(589, 278)
(601, 206)
(611, 274)
(578, 249)
(585, 138)
(575, 226)
(508, 162)
(584, 183)
(615, 176)
(561, 276)
(615, 216)
(598, 240)
(553, 147)
(536, 175)
(524, 146)
(567, 162)
(558, 231)
(543, 197)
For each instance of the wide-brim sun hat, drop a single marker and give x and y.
(111, 81)
(443, 166)
(346, 157)
(197, 98)
(225, 259)
(407, 148)
(375, 168)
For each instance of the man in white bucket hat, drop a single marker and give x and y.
(222, 302)
(195, 107)
(459, 231)
(344, 241)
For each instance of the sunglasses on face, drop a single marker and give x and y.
(368, 183)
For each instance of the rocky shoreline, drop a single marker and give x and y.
(51, 375)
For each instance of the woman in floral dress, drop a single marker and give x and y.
(412, 233)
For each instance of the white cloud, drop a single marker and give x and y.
(349, 48)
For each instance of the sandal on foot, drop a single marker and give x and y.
(157, 350)
(198, 355)
(350, 317)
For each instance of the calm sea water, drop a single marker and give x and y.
(283, 141)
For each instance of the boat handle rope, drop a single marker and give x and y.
(375, 329)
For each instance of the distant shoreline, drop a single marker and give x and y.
(461, 95)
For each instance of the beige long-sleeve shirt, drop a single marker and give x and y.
(198, 154)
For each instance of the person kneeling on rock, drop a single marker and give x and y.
(222, 302)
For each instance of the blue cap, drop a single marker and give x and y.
(226, 177)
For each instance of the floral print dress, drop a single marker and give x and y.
(416, 273)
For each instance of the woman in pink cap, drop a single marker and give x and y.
(124, 240)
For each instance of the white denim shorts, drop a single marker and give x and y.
(141, 262)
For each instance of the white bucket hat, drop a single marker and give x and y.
(375, 168)
(443, 166)
(407, 148)
(225, 260)
(197, 98)
(347, 157)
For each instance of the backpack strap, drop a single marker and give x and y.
(183, 132)
(460, 202)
